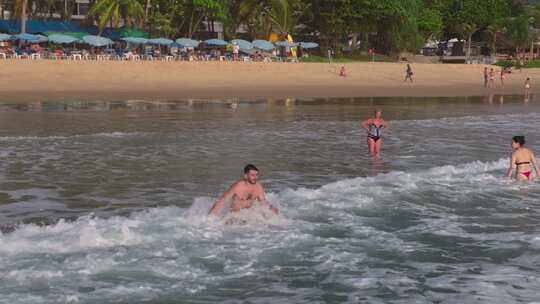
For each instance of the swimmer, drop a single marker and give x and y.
(374, 126)
(527, 88)
(244, 194)
(522, 160)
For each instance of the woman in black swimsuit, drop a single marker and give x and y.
(374, 127)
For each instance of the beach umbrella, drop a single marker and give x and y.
(4, 37)
(97, 40)
(243, 44)
(286, 44)
(263, 45)
(160, 41)
(216, 42)
(135, 40)
(186, 42)
(41, 39)
(25, 37)
(62, 39)
(309, 45)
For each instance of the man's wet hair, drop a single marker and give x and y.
(250, 167)
(519, 139)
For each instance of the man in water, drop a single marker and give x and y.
(244, 194)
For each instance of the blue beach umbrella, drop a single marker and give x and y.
(25, 37)
(160, 41)
(97, 40)
(286, 44)
(309, 45)
(243, 44)
(186, 42)
(263, 45)
(135, 40)
(216, 42)
(4, 37)
(62, 39)
(41, 39)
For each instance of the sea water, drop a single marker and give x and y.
(108, 202)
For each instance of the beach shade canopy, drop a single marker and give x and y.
(62, 39)
(41, 39)
(135, 40)
(242, 44)
(286, 44)
(188, 43)
(216, 42)
(26, 37)
(263, 45)
(127, 32)
(309, 45)
(97, 40)
(160, 41)
(4, 37)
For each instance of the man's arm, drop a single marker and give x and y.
(218, 205)
(512, 165)
(264, 202)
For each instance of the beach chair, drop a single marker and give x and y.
(3, 55)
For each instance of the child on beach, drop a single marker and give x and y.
(342, 71)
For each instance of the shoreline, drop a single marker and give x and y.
(48, 80)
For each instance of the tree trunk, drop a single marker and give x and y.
(146, 11)
(531, 52)
(65, 11)
(23, 16)
(468, 55)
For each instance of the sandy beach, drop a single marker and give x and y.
(48, 80)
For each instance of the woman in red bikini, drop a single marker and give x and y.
(522, 160)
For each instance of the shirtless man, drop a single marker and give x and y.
(522, 160)
(244, 194)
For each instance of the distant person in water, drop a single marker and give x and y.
(527, 88)
(244, 194)
(408, 73)
(374, 128)
(522, 160)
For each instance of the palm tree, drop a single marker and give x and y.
(494, 30)
(113, 11)
(268, 14)
(21, 7)
(468, 30)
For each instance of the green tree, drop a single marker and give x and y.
(494, 30)
(113, 11)
(467, 30)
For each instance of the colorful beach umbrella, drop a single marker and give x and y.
(62, 39)
(160, 41)
(186, 42)
(243, 44)
(4, 37)
(135, 40)
(309, 45)
(97, 40)
(216, 42)
(263, 45)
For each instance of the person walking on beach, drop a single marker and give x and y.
(244, 194)
(523, 160)
(486, 77)
(374, 126)
(408, 73)
(492, 78)
(502, 77)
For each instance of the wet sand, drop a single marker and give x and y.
(47, 80)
